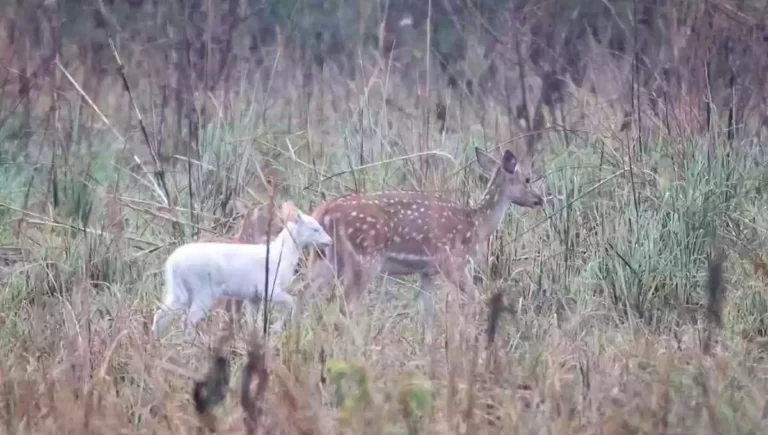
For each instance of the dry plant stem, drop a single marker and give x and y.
(472, 385)
(112, 129)
(496, 305)
(145, 134)
(270, 212)
(208, 393)
(425, 100)
(52, 223)
(253, 405)
(715, 298)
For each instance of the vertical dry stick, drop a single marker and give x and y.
(267, 293)
(145, 134)
(212, 390)
(449, 338)
(523, 91)
(252, 406)
(496, 307)
(635, 104)
(715, 298)
(469, 413)
(731, 126)
(109, 125)
(153, 152)
(636, 66)
(425, 101)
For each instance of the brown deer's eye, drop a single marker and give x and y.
(527, 180)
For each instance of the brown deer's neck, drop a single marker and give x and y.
(248, 234)
(489, 212)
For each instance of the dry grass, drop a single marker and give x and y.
(601, 321)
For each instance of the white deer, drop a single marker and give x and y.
(257, 227)
(199, 274)
(406, 233)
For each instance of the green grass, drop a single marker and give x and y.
(606, 289)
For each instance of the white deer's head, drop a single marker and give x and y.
(305, 229)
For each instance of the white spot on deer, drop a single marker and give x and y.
(408, 257)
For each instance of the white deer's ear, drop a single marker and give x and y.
(487, 163)
(509, 162)
(289, 212)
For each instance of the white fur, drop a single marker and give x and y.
(197, 274)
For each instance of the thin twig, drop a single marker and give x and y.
(42, 220)
(111, 128)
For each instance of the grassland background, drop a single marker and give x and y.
(608, 320)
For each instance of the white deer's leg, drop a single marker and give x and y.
(234, 308)
(252, 307)
(198, 309)
(427, 286)
(164, 313)
(160, 322)
(289, 310)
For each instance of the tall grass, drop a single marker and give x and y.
(604, 289)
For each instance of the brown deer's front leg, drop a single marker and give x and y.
(455, 271)
(467, 282)
(359, 272)
(321, 272)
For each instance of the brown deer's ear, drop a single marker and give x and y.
(290, 214)
(509, 163)
(487, 163)
(240, 206)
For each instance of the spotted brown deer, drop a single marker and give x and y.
(253, 230)
(404, 233)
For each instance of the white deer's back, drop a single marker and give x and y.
(233, 270)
